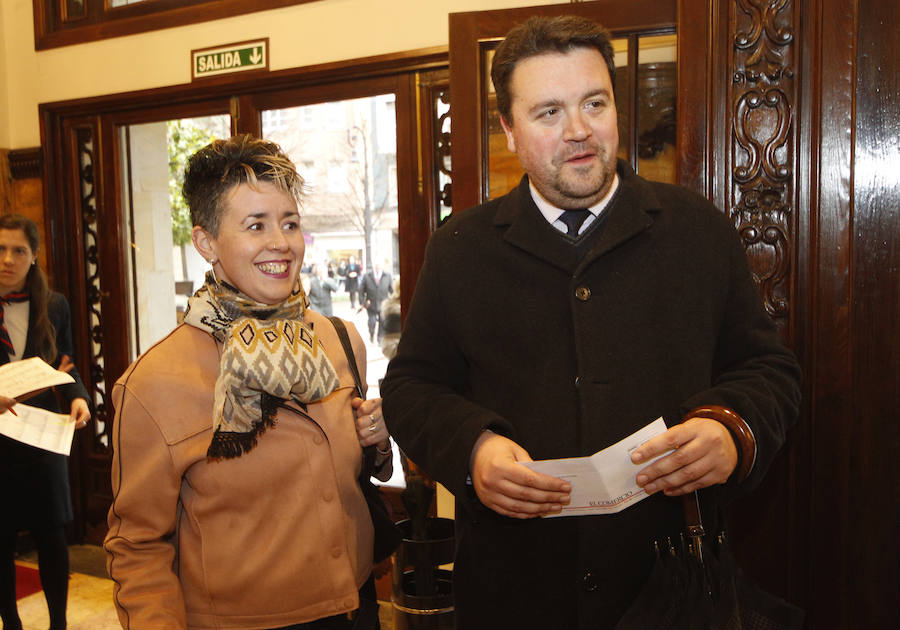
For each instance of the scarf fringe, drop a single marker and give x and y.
(231, 444)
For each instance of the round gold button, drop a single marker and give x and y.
(583, 293)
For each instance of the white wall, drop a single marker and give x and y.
(306, 34)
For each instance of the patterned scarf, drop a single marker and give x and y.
(268, 355)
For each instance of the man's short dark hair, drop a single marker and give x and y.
(541, 35)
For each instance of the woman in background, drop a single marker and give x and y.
(34, 483)
(238, 438)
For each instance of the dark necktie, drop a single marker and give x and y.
(573, 220)
(5, 342)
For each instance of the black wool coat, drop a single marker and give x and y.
(567, 350)
(35, 489)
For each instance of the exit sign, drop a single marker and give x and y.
(237, 57)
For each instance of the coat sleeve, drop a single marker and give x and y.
(424, 389)
(142, 521)
(58, 312)
(753, 373)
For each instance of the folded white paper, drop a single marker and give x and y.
(39, 427)
(603, 483)
(28, 375)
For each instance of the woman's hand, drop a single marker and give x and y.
(6, 404)
(80, 413)
(370, 427)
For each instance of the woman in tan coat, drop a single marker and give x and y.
(238, 438)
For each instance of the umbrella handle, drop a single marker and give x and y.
(693, 524)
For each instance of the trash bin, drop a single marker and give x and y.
(422, 591)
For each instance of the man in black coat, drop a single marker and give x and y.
(561, 318)
(376, 285)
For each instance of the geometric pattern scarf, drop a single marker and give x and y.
(268, 355)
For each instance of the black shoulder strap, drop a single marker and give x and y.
(368, 451)
(348, 350)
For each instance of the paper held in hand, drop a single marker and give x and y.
(603, 483)
(37, 427)
(18, 378)
(40, 428)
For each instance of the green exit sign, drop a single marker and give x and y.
(237, 57)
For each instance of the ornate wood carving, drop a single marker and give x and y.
(762, 97)
(25, 163)
(442, 173)
(102, 437)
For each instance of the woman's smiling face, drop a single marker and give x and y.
(259, 248)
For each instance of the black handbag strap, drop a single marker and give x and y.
(368, 451)
(338, 324)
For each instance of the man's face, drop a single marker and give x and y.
(563, 125)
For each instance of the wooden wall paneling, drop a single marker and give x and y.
(834, 534)
(694, 99)
(752, 173)
(21, 191)
(873, 430)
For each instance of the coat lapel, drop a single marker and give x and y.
(529, 231)
(629, 213)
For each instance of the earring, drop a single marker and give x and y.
(213, 260)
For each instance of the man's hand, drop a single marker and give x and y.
(509, 488)
(704, 455)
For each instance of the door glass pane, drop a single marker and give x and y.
(162, 266)
(656, 107)
(346, 153)
(503, 168)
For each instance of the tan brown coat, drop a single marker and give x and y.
(278, 536)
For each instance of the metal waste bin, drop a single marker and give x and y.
(422, 592)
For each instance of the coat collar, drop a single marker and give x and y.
(630, 212)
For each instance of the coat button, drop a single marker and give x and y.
(583, 294)
(589, 582)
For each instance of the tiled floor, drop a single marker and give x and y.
(90, 605)
(90, 595)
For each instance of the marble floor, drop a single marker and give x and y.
(90, 595)
(90, 605)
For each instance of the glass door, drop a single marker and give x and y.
(161, 267)
(346, 152)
